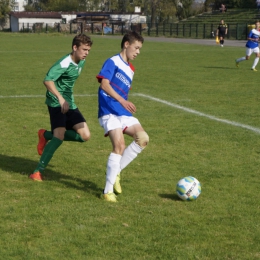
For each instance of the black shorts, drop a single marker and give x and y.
(68, 120)
(221, 35)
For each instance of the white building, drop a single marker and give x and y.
(19, 20)
(19, 5)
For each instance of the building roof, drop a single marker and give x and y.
(39, 14)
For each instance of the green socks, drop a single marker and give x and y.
(48, 135)
(48, 152)
(70, 135)
(53, 145)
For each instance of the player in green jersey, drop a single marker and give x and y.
(67, 123)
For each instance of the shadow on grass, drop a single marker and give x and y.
(171, 196)
(24, 166)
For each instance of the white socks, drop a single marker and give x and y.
(130, 153)
(244, 58)
(113, 168)
(255, 62)
(116, 163)
(241, 59)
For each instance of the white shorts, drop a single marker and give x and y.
(250, 51)
(111, 122)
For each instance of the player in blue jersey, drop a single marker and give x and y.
(252, 46)
(115, 112)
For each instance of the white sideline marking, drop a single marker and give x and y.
(251, 128)
(233, 123)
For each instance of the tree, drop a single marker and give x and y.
(183, 8)
(6, 7)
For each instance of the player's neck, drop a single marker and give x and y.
(123, 56)
(74, 58)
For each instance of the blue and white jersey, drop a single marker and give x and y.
(254, 34)
(120, 75)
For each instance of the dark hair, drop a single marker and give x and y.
(131, 37)
(81, 39)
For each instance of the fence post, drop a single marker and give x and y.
(149, 28)
(177, 29)
(157, 29)
(164, 28)
(46, 28)
(170, 29)
(183, 30)
(196, 30)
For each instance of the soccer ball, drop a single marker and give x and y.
(188, 188)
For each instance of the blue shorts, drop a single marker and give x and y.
(68, 120)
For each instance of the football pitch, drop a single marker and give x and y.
(202, 116)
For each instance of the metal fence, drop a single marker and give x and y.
(185, 30)
(198, 30)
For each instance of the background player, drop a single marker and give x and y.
(252, 46)
(222, 32)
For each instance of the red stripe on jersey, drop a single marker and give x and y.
(99, 78)
(123, 92)
(132, 67)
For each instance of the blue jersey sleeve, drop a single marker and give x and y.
(107, 71)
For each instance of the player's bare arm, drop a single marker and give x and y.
(105, 85)
(63, 103)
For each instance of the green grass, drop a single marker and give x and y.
(63, 217)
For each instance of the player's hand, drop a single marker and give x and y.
(128, 106)
(64, 106)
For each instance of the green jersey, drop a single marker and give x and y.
(64, 74)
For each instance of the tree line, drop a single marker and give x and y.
(156, 10)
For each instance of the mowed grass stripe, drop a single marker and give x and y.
(186, 109)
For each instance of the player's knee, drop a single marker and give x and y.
(142, 138)
(85, 136)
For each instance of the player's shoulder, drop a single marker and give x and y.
(65, 61)
(115, 58)
(118, 60)
(255, 32)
